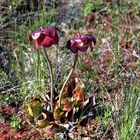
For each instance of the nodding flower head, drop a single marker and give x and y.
(81, 43)
(44, 37)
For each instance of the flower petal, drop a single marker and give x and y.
(51, 32)
(83, 49)
(91, 38)
(44, 37)
(36, 35)
(71, 47)
(47, 42)
(74, 49)
(78, 35)
(36, 44)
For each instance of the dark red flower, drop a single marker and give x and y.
(81, 43)
(45, 37)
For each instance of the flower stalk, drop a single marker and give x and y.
(68, 77)
(51, 76)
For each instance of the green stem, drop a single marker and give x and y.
(51, 75)
(68, 77)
